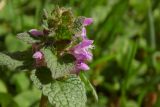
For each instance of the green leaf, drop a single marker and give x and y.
(6, 100)
(41, 77)
(110, 24)
(25, 57)
(19, 79)
(67, 92)
(64, 92)
(35, 79)
(89, 85)
(27, 98)
(3, 87)
(13, 44)
(78, 25)
(59, 66)
(130, 54)
(26, 37)
(156, 61)
(8, 62)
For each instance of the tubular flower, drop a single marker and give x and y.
(87, 21)
(36, 32)
(83, 34)
(38, 55)
(82, 53)
(39, 59)
(81, 66)
(82, 50)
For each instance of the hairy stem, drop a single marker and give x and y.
(44, 101)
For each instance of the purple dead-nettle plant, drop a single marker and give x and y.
(81, 51)
(59, 55)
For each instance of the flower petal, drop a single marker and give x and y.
(82, 66)
(89, 56)
(38, 55)
(85, 43)
(87, 21)
(83, 34)
(82, 51)
(83, 56)
(36, 32)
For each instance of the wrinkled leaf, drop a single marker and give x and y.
(26, 37)
(78, 24)
(41, 77)
(68, 92)
(59, 66)
(8, 62)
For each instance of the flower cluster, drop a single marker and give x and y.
(82, 51)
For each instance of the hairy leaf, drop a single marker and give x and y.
(35, 80)
(59, 66)
(24, 59)
(8, 62)
(41, 77)
(78, 24)
(26, 37)
(67, 92)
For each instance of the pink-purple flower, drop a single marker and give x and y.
(36, 32)
(81, 66)
(87, 21)
(83, 34)
(39, 59)
(82, 51)
(38, 55)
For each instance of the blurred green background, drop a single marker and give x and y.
(126, 66)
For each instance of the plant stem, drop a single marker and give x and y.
(44, 101)
(151, 27)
